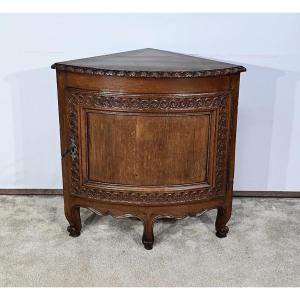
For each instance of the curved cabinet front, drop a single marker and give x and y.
(148, 149)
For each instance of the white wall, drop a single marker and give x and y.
(268, 144)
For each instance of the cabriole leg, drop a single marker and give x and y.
(223, 217)
(148, 237)
(73, 216)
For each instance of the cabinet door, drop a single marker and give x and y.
(148, 148)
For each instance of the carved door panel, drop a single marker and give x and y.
(148, 147)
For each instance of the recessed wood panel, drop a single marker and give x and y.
(147, 150)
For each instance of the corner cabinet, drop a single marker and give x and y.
(148, 133)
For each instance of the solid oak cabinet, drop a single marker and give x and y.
(148, 133)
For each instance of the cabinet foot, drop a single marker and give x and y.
(73, 232)
(73, 216)
(223, 217)
(148, 237)
(147, 245)
(222, 232)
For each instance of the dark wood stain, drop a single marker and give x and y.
(144, 145)
(149, 63)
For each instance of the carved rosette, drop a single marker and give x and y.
(79, 98)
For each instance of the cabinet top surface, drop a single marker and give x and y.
(149, 63)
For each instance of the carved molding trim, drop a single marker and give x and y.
(77, 98)
(150, 74)
(147, 102)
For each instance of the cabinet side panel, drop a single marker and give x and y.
(234, 81)
(64, 137)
